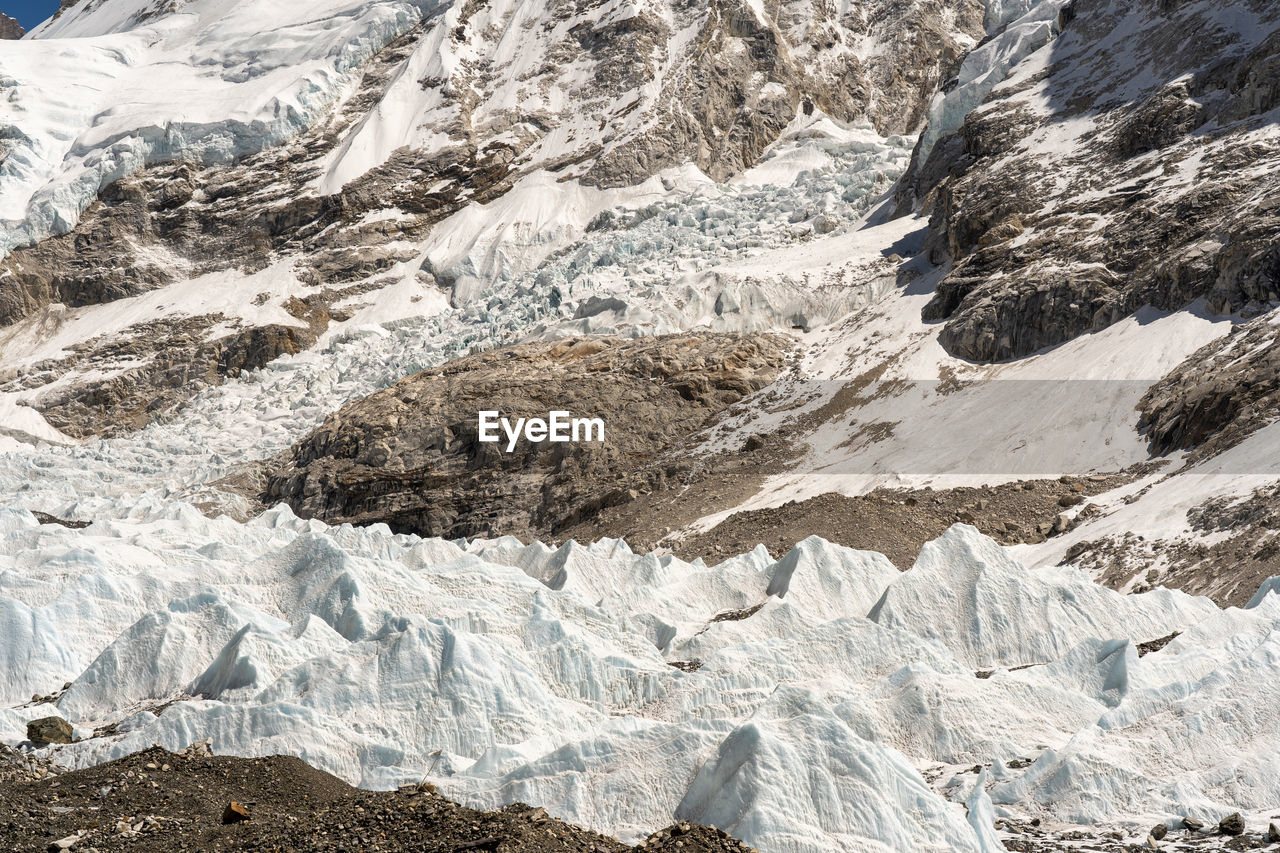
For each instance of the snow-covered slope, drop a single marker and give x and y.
(107, 88)
(362, 153)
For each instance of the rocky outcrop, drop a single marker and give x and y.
(155, 801)
(1219, 396)
(411, 455)
(1071, 199)
(170, 360)
(49, 730)
(748, 75)
(10, 28)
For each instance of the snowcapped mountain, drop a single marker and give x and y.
(934, 340)
(290, 176)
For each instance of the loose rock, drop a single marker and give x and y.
(1232, 824)
(49, 730)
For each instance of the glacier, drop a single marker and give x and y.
(814, 689)
(847, 712)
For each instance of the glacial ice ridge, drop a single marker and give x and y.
(812, 693)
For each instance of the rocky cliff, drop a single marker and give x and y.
(10, 28)
(1109, 172)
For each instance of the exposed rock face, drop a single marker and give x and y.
(10, 28)
(176, 358)
(1233, 551)
(1220, 395)
(1125, 172)
(748, 75)
(411, 456)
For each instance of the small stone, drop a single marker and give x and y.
(65, 843)
(1232, 824)
(753, 443)
(1193, 824)
(235, 813)
(1159, 831)
(1273, 833)
(49, 730)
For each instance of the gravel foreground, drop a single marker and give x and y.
(158, 801)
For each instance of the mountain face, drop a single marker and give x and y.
(988, 289)
(403, 118)
(9, 28)
(1150, 185)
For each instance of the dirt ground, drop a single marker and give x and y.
(162, 802)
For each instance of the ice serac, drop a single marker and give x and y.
(863, 805)
(828, 582)
(1018, 29)
(545, 674)
(965, 590)
(1183, 716)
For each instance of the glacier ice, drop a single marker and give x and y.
(544, 674)
(1021, 28)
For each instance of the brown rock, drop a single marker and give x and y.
(235, 813)
(412, 455)
(9, 28)
(1232, 824)
(49, 730)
